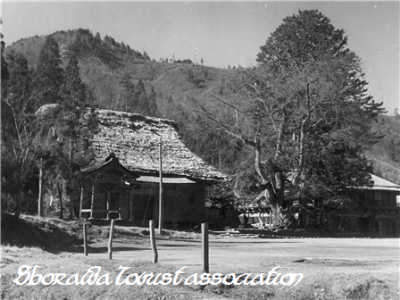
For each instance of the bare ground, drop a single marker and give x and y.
(333, 268)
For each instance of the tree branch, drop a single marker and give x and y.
(206, 113)
(257, 160)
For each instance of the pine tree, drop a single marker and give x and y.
(305, 113)
(17, 89)
(321, 110)
(73, 131)
(69, 149)
(72, 92)
(15, 121)
(18, 131)
(128, 90)
(48, 75)
(98, 38)
(142, 104)
(4, 65)
(4, 80)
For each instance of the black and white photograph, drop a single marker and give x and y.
(200, 150)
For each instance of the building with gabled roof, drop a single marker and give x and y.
(123, 181)
(373, 210)
(383, 184)
(135, 138)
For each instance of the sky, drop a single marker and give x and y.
(221, 33)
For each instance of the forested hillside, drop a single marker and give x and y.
(121, 78)
(117, 74)
(222, 112)
(386, 153)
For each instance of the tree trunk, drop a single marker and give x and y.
(302, 199)
(279, 140)
(18, 205)
(72, 214)
(274, 189)
(40, 198)
(300, 177)
(60, 192)
(281, 218)
(260, 219)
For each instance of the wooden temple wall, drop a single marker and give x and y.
(182, 203)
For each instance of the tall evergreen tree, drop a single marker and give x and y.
(4, 65)
(72, 91)
(320, 93)
(48, 76)
(46, 83)
(141, 103)
(4, 79)
(14, 120)
(19, 83)
(321, 109)
(128, 91)
(305, 113)
(18, 130)
(72, 124)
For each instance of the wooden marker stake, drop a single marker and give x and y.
(204, 244)
(85, 240)
(153, 242)
(110, 240)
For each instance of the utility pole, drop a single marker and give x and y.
(160, 218)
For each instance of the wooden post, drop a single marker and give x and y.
(110, 240)
(80, 205)
(175, 208)
(92, 202)
(85, 239)
(131, 215)
(153, 242)
(160, 218)
(108, 205)
(204, 244)
(119, 206)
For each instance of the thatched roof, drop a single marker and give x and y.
(134, 139)
(110, 163)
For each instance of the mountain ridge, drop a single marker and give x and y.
(170, 86)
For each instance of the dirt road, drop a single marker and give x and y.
(324, 256)
(333, 268)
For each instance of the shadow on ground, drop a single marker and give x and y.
(40, 233)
